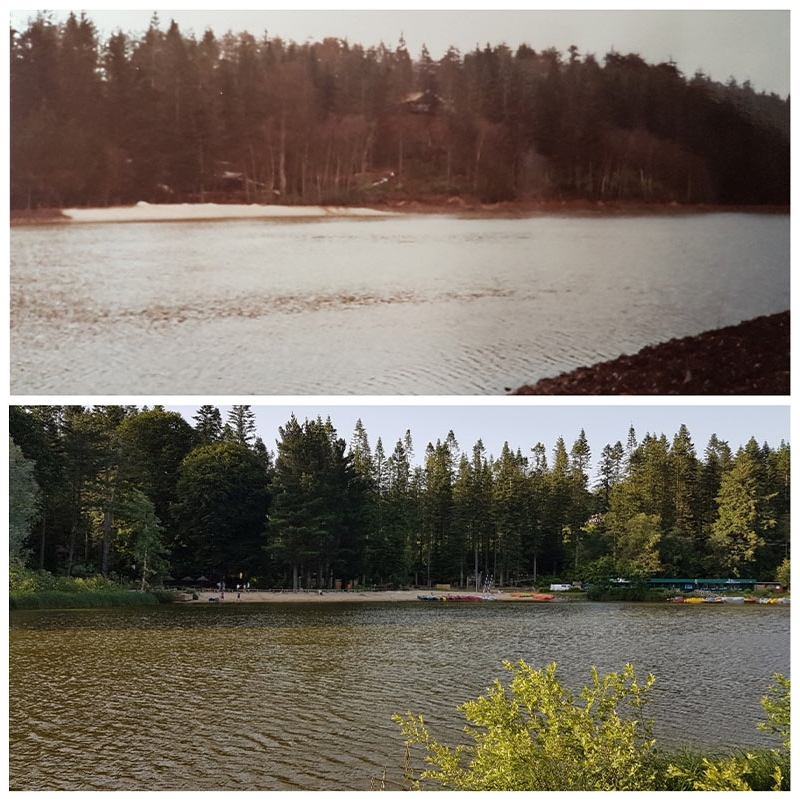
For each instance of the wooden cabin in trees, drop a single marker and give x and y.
(427, 102)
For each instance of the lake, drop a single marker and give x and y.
(291, 696)
(396, 305)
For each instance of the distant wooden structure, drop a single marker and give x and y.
(427, 102)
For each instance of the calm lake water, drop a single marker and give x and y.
(213, 697)
(395, 305)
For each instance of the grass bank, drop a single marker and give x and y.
(31, 589)
(758, 770)
(60, 600)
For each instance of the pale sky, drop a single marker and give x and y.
(524, 425)
(746, 44)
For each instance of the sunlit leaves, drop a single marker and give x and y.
(536, 735)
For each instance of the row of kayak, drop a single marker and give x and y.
(535, 597)
(730, 600)
(455, 598)
(482, 597)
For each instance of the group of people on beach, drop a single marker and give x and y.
(239, 588)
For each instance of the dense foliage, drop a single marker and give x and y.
(139, 494)
(166, 117)
(536, 735)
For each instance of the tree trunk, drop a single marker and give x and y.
(144, 571)
(282, 158)
(42, 542)
(108, 518)
(400, 154)
(74, 529)
(477, 576)
(478, 152)
(106, 541)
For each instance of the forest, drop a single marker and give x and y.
(165, 117)
(142, 494)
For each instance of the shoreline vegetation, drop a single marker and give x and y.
(130, 598)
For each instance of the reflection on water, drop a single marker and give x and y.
(213, 697)
(411, 305)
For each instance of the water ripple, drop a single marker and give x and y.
(62, 311)
(300, 698)
(398, 306)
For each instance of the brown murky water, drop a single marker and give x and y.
(409, 305)
(269, 697)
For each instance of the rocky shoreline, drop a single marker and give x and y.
(751, 358)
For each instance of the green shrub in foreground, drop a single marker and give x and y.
(535, 736)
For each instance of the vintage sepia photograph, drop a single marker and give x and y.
(286, 203)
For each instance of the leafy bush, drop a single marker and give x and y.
(29, 590)
(784, 573)
(22, 581)
(777, 704)
(537, 736)
(624, 593)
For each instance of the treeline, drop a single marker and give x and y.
(166, 117)
(138, 494)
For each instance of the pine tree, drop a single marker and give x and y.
(744, 516)
(312, 505)
(241, 424)
(509, 515)
(220, 510)
(208, 423)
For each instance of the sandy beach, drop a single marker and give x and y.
(193, 212)
(312, 596)
(308, 596)
(188, 212)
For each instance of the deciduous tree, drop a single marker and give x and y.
(23, 501)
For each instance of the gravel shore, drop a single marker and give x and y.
(751, 358)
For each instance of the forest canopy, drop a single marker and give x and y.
(169, 117)
(113, 490)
